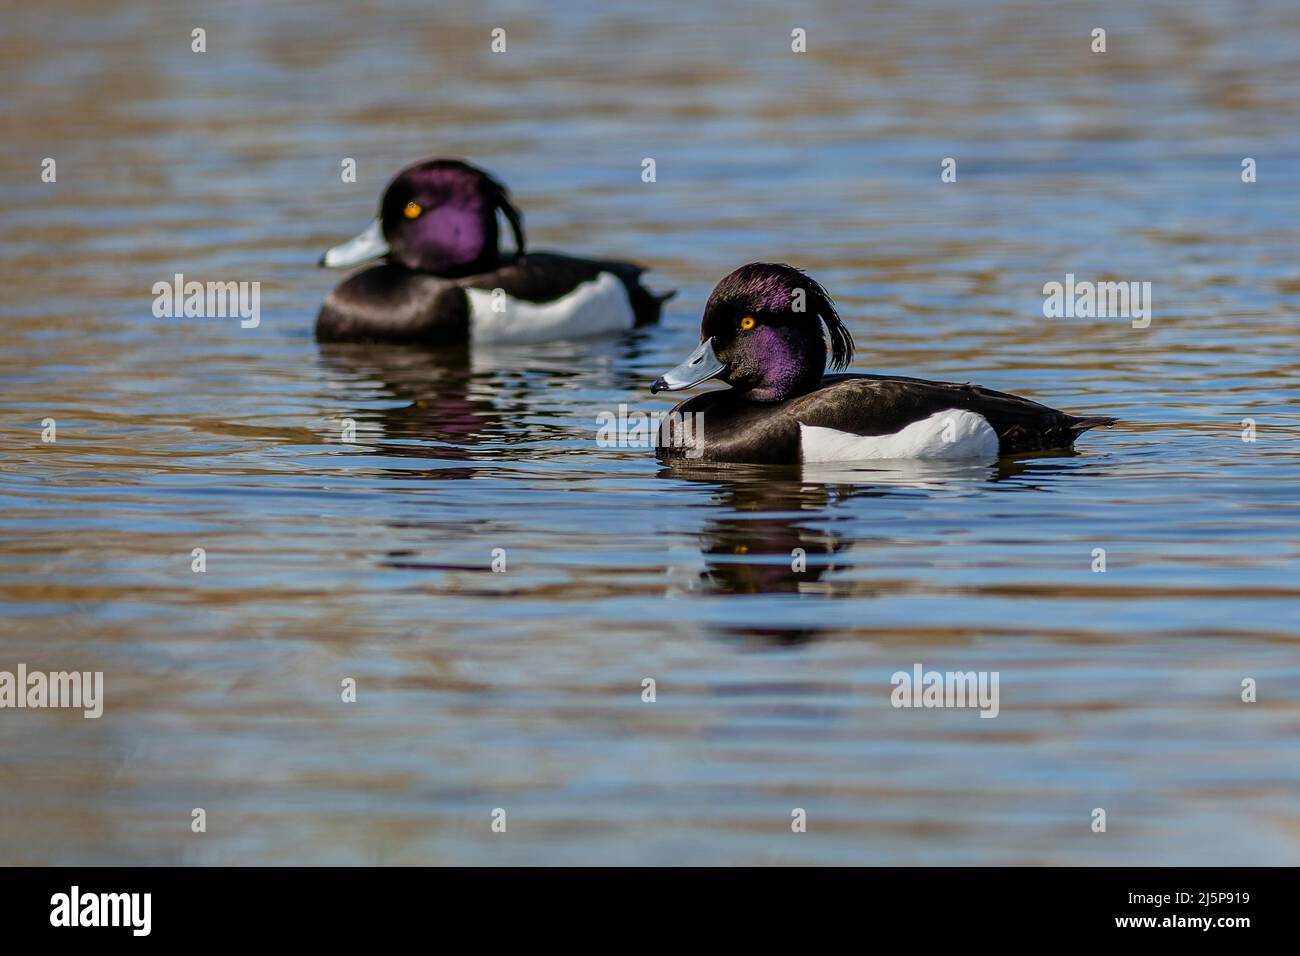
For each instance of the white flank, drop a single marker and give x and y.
(947, 435)
(593, 308)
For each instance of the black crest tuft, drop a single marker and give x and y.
(837, 333)
(501, 196)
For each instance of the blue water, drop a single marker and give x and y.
(522, 690)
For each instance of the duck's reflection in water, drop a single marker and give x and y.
(775, 532)
(410, 402)
(458, 412)
(461, 404)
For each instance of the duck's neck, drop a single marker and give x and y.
(489, 260)
(790, 369)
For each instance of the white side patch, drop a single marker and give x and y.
(593, 308)
(947, 435)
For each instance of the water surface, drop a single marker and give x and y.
(523, 690)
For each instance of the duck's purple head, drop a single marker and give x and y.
(765, 332)
(437, 216)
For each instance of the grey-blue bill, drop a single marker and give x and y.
(701, 366)
(370, 244)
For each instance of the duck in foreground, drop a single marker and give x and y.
(766, 332)
(444, 281)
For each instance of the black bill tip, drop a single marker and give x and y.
(659, 385)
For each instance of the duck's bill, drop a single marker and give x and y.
(369, 245)
(700, 367)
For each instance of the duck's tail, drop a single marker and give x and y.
(1079, 425)
(647, 305)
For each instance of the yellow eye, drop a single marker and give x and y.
(747, 323)
(412, 210)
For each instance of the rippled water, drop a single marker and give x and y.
(523, 690)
